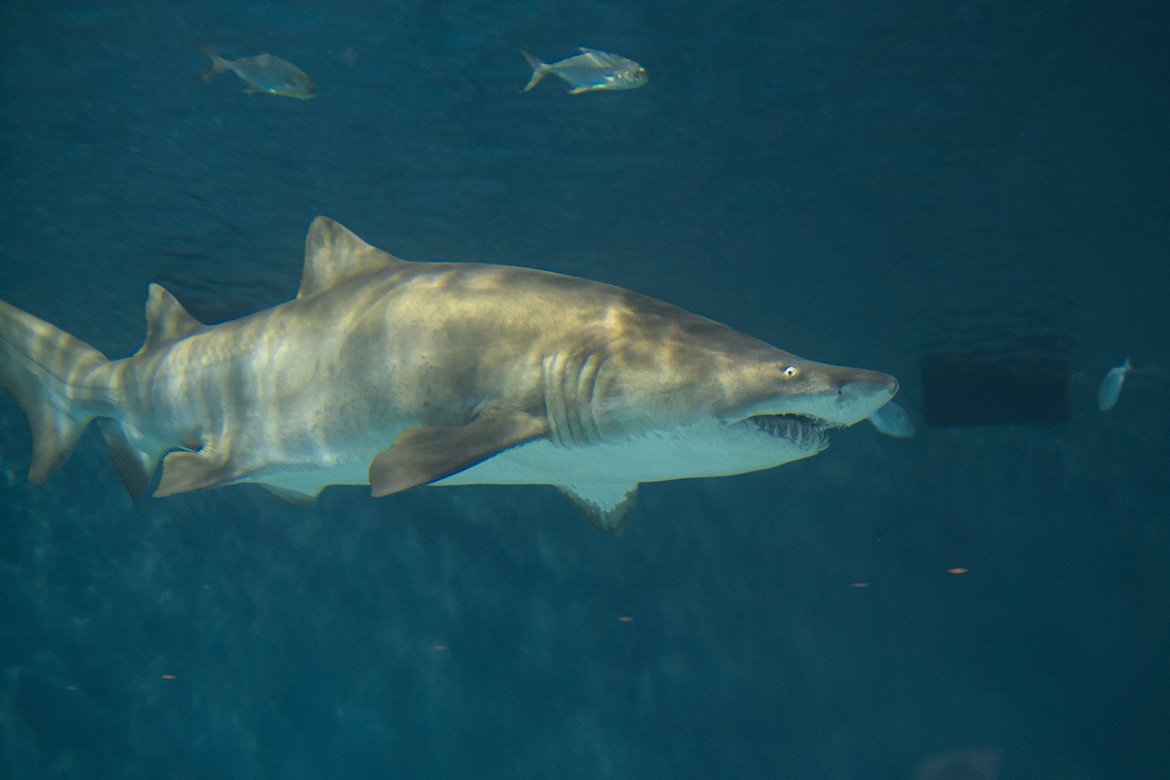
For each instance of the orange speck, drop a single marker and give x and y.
(625, 619)
(168, 677)
(957, 570)
(859, 584)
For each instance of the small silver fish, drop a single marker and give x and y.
(264, 73)
(1110, 389)
(589, 71)
(893, 420)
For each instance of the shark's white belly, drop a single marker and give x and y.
(695, 451)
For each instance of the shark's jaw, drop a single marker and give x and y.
(802, 431)
(805, 419)
(801, 424)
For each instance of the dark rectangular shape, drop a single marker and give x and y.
(986, 390)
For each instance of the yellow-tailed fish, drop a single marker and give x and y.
(589, 71)
(264, 73)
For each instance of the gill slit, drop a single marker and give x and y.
(570, 397)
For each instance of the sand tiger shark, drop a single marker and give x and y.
(398, 374)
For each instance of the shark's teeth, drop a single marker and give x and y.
(804, 432)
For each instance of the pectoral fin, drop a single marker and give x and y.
(606, 504)
(428, 453)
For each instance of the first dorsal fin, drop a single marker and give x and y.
(166, 319)
(334, 254)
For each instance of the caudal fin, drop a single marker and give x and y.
(218, 63)
(50, 374)
(539, 70)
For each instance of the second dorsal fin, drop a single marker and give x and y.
(334, 254)
(166, 319)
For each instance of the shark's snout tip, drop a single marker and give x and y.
(884, 384)
(871, 383)
(865, 392)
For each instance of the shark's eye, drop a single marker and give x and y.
(791, 372)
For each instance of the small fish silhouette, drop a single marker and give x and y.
(1110, 389)
(893, 420)
(264, 73)
(589, 71)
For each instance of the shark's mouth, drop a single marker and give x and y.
(807, 433)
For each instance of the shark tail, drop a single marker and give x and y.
(62, 384)
(48, 373)
(539, 70)
(218, 63)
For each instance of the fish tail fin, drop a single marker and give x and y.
(56, 379)
(539, 70)
(218, 63)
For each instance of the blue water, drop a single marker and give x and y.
(860, 183)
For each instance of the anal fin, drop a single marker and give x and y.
(135, 467)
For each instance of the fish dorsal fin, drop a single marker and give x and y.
(166, 319)
(334, 254)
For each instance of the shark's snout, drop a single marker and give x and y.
(874, 383)
(863, 393)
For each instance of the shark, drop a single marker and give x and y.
(398, 374)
